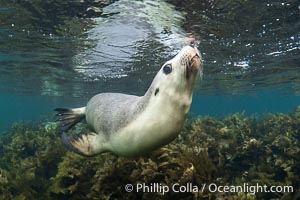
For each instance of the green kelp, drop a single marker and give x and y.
(29, 157)
(231, 151)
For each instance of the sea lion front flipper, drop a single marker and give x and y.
(86, 143)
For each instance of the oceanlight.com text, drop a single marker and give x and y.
(251, 189)
(212, 188)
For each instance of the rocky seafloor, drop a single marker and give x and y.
(233, 150)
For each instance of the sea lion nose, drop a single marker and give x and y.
(194, 46)
(197, 52)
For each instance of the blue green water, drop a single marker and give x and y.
(17, 108)
(59, 54)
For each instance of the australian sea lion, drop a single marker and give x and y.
(129, 125)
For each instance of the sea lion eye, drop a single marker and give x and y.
(167, 69)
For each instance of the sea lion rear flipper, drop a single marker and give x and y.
(85, 143)
(69, 117)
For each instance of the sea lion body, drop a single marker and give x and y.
(129, 125)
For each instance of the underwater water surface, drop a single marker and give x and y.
(61, 53)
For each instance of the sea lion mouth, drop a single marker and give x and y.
(194, 64)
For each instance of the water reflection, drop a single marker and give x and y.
(38, 42)
(137, 40)
(82, 48)
(64, 54)
(247, 45)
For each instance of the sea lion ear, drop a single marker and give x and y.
(156, 91)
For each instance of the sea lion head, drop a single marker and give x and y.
(178, 75)
(174, 82)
